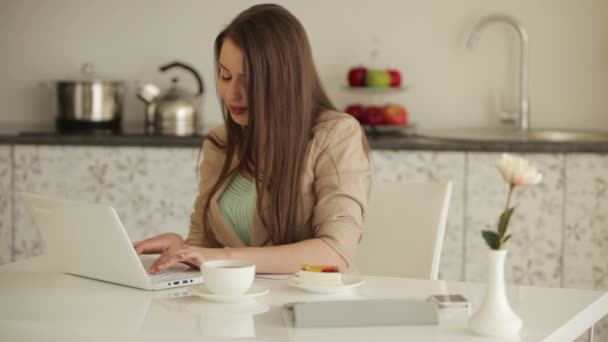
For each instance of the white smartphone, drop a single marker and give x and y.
(450, 300)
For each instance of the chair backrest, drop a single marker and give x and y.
(404, 229)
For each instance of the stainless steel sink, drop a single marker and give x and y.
(514, 135)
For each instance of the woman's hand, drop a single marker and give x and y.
(158, 244)
(191, 255)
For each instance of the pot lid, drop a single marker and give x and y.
(88, 74)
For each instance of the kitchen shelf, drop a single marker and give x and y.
(387, 130)
(376, 90)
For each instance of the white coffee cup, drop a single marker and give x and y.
(228, 277)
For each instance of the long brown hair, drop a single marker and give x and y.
(285, 96)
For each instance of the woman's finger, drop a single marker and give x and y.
(144, 247)
(160, 261)
(192, 257)
(139, 246)
(153, 245)
(168, 259)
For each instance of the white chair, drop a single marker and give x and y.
(404, 229)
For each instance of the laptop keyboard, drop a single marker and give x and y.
(178, 271)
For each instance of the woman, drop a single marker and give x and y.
(285, 181)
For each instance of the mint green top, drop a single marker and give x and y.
(237, 205)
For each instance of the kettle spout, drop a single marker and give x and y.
(148, 92)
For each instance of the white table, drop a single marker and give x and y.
(38, 303)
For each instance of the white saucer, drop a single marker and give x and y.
(348, 282)
(255, 291)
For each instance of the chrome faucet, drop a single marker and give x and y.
(523, 117)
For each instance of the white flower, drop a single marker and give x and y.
(517, 171)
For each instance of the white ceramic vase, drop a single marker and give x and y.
(494, 317)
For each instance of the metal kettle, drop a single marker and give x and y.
(175, 111)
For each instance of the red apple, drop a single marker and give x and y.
(356, 76)
(395, 114)
(374, 115)
(395, 77)
(357, 111)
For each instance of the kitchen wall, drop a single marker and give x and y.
(450, 85)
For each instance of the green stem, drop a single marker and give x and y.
(500, 236)
(511, 187)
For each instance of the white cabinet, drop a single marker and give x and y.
(586, 226)
(586, 221)
(6, 205)
(152, 189)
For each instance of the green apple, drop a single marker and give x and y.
(378, 78)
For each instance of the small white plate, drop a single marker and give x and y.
(254, 291)
(348, 282)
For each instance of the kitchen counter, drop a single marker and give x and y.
(130, 135)
(134, 136)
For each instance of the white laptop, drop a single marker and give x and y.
(88, 240)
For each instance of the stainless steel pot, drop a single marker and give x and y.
(90, 99)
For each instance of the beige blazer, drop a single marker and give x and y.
(336, 183)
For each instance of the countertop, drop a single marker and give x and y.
(135, 136)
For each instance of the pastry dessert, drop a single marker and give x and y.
(320, 275)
